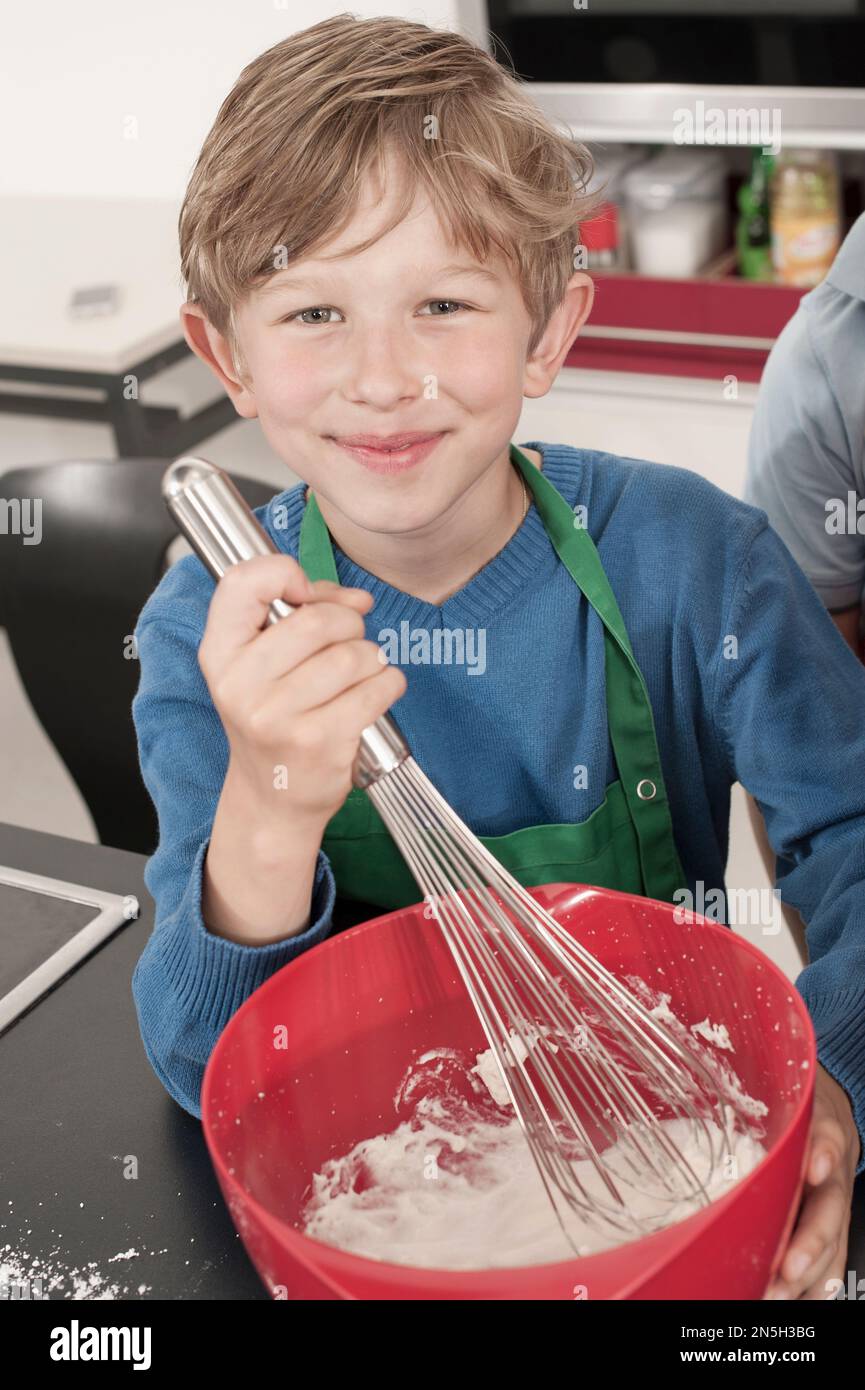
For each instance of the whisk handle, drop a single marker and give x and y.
(223, 531)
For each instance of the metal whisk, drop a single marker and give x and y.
(586, 1065)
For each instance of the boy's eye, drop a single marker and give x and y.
(447, 305)
(319, 309)
(454, 303)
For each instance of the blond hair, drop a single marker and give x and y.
(282, 163)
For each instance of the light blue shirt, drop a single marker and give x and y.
(807, 444)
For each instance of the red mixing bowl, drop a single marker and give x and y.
(311, 1062)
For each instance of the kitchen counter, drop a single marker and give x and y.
(82, 1109)
(104, 1179)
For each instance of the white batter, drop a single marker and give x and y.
(455, 1186)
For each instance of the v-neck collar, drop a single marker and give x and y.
(527, 557)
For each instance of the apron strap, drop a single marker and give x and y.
(629, 709)
(315, 553)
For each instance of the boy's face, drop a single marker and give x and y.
(409, 336)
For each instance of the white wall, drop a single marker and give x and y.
(680, 420)
(73, 73)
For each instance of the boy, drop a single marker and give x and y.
(378, 243)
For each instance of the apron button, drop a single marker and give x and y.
(646, 789)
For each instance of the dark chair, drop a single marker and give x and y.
(69, 605)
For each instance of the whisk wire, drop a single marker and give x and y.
(493, 953)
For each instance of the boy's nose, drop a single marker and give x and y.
(384, 368)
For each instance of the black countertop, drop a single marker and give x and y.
(82, 1110)
(97, 1160)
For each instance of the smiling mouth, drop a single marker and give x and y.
(385, 443)
(385, 458)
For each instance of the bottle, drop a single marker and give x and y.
(600, 236)
(805, 207)
(753, 236)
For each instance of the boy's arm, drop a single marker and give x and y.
(258, 876)
(790, 710)
(189, 981)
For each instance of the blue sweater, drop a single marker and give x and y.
(690, 567)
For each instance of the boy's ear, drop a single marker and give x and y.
(544, 365)
(214, 351)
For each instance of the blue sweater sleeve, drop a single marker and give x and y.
(790, 702)
(188, 982)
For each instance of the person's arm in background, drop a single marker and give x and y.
(807, 445)
(788, 709)
(807, 440)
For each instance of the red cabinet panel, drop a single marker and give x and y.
(699, 328)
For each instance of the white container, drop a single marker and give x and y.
(677, 211)
(612, 163)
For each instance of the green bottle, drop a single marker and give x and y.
(753, 230)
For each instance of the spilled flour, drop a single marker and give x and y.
(24, 1276)
(454, 1186)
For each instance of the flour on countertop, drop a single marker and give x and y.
(60, 1280)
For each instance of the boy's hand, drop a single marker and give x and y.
(298, 694)
(818, 1246)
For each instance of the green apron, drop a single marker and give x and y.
(626, 843)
